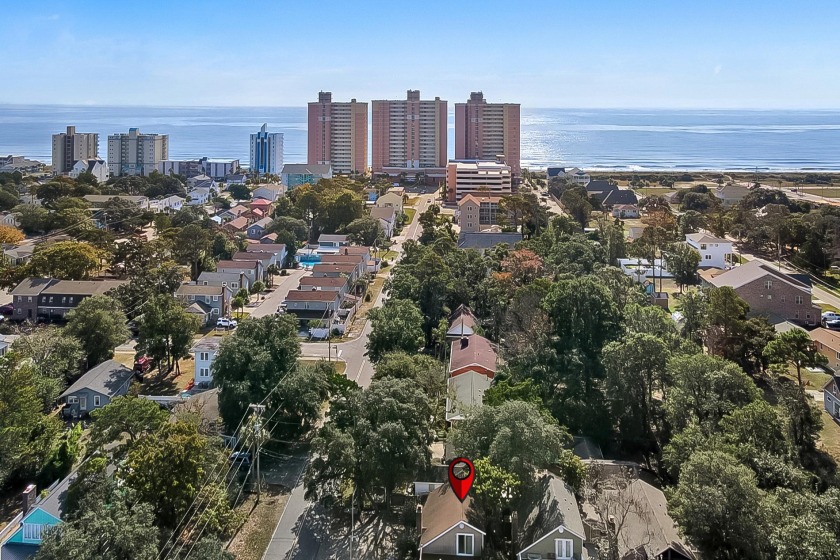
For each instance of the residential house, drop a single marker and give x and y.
(472, 367)
(25, 532)
(97, 167)
(551, 523)
(270, 238)
(624, 197)
(6, 341)
(357, 260)
(49, 298)
(462, 323)
(207, 302)
(98, 201)
(96, 388)
(276, 249)
(236, 179)
(264, 258)
(445, 532)
(9, 219)
(478, 212)
(828, 344)
(269, 192)
(257, 229)
(202, 182)
(599, 189)
(714, 251)
(647, 531)
(393, 199)
(232, 280)
(297, 174)
(731, 194)
(482, 241)
(769, 292)
(574, 175)
(323, 283)
(237, 225)
(233, 212)
(387, 216)
(331, 241)
(18, 254)
(204, 352)
(260, 204)
(625, 211)
(199, 196)
(831, 397)
(346, 270)
(308, 305)
(168, 205)
(250, 269)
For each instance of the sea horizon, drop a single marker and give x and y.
(595, 139)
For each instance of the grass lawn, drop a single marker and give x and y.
(409, 212)
(340, 365)
(828, 192)
(830, 435)
(251, 539)
(647, 191)
(411, 201)
(389, 256)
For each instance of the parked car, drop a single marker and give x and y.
(830, 315)
(7, 309)
(833, 324)
(226, 323)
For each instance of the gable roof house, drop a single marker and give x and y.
(269, 192)
(309, 305)
(599, 189)
(769, 292)
(831, 397)
(233, 212)
(551, 524)
(731, 194)
(96, 388)
(198, 196)
(257, 229)
(445, 532)
(24, 533)
(237, 225)
(97, 167)
(232, 280)
(828, 344)
(482, 241)
(261, 204)
(339, 270)
(324, 283)
(714, 251)
(250, 269)
(207, 302)
(387, 216)
(472, 367)
(263, 257)
(329, 240)
(462, 322)
(204, 351)
(619, 196)
(277, 250)
(648, 531)
(296, 174)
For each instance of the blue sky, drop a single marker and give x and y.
(585, 53)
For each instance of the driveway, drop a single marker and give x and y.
(282, 286)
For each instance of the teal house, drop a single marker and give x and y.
(23, 535)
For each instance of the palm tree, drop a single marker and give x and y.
(271, 271)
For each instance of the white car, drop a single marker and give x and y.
(830, 316)
(226, 323)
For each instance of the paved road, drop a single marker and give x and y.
(294, 537)
(808, 195)
(282, 286)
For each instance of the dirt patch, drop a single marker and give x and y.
(251, 540)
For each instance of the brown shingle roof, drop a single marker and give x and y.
(830, 339)
(472, 350)
(82, 287)
(312, 295)
(348, 268)
(342, 259)
(441, 512)
(239, 223)
(252, 256)
(323, 282)
(237, 265)
(200, 290)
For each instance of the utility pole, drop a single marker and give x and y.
(258, 436)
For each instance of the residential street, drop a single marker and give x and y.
(292, 538)
(282, 286)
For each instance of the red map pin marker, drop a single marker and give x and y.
(461, 476)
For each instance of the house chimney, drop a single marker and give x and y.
(28, 498)
(465, 341)
(419, 518)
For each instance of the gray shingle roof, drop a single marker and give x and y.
(487, 240)
(620, 196)
(32, 286)
(110, 378)
(553, 504)
(305, 168)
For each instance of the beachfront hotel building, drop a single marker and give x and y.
(338, 134)
(266, 151)
(135, 153)
(70, 147)
(485, 131)
(409, 136)
(491, 178)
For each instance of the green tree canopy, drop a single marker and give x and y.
(166, 330)
(397, 325)
(65, 260)
(100, 324)
(796, 348)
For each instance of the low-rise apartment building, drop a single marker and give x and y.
(485, 177)
(51, 299)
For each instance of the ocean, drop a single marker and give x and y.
(594, 139)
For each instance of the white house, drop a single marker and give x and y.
(269, 192)
(391, 198)
(198, 196)
(714, 251)
(204, 351)
(202, 181)
(9, 219)
(168, 205)
(96, 166)
(387, 216)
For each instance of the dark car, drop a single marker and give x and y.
(833, 324)
(7, 309)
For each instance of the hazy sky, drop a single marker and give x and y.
(585, 53)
